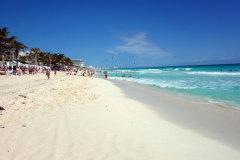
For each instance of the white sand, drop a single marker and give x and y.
(73, 117)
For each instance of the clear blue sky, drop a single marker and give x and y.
(149, 32)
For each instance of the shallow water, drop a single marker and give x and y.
(216, 83)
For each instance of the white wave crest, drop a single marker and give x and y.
(161, 84)
(216, 73)
(143, 71)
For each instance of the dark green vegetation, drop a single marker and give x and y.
(10, 48)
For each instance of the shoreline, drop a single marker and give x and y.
(75, 117)
(180, 95)
(215, 84)
(176, 94)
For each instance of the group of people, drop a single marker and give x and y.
(22, 70)
(33, 70)
(3, 69)
(30, 70)
(48, 72)
(84, 72)
(89, 73)
(123, 75)
(69, 72)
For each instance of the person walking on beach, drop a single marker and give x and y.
(89, 74)
(48, 74)
(55, 71)
(106, 75)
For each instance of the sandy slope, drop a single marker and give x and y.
(73, 117)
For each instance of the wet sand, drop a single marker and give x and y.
(210, 120)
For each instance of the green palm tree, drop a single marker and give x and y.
(4, 40)
(31, 56)
(49, 58)
(42, 57)
(54, 58)
(23, 58)
(10, 47)
(35, 51)
(60, 58)
(18, 46)
(67, 61)
(6, 52)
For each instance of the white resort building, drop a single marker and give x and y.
(24, 53)
(78, 62)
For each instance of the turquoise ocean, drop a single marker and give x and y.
(218, 84)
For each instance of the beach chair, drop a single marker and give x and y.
(7, 73)
(2, 72)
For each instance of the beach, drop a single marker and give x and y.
(75, 117)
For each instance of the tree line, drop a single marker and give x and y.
(10, 48)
